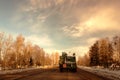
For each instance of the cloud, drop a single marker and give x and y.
(79, 50)
(104, 19)
(42, 41)
(50, 51)
(68, 23)
(92, 40)
(35, 27)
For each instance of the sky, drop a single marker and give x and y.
(61, 25)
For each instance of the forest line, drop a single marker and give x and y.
(20, 54)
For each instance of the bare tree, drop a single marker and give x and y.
(84, 60)
(105, 52)
(18, 54)
(56, 58)
(48, 60)
(19, 44)
(37, 55)
(7, 50)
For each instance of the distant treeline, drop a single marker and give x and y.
(103, 52)
(20, 54)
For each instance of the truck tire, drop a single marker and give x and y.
(61, 70)
(74, 70)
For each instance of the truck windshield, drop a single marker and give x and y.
(70, 58)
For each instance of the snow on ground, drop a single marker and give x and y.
(15, 70)
(21, 70)
(115, 75)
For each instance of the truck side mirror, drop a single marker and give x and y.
(73, 54)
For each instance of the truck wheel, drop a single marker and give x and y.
(61, 70)
(74, 70)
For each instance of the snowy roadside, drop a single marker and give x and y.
(21, 70)
(115, 75)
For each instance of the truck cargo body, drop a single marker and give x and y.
(67, 63)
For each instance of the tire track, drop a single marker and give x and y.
(37, 73)
(53, 74)
(90, 76)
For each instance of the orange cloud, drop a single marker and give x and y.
(104, 18)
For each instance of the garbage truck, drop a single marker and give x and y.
(67, 62)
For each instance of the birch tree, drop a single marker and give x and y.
(116, 48)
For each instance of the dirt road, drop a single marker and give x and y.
(52, 74)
